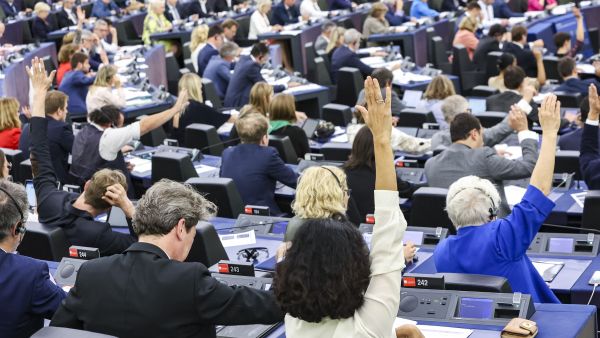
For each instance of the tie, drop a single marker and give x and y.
(203, 6)
(289, 13)
(175, 13)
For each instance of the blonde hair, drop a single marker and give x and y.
(469, 24)
(252, 127)
(378, 8)
(193, 83)
(199, 36)
(101, 180)
(283, 107)
(319, 194)
(41, 7)
(260, 4)
(104, 76)
(337, 33)
(9, 113)
(260, 96)
(439, 88)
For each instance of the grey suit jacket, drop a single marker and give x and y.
(491, 136)
(320, 44)
(459, 161)
(397, 104)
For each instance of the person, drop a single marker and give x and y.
(5, 166)
(572, 140)
(285, 13)
(518, 47)
(174, 11)
(505, 60)
(518, 92)
(385, 77)
(562, 40)
(102, 29)
(198, 8)
(218, 68)
(567, 69)
(309, 9)
(153, 278)
(196, 111)
(28, 294)
(502, 9)
(213, 44)
(9, 8)
(376, 22)
(487, 13)
(395, 14)
(323, 39)
(64, 61)
(502, 242)
(282, 115)
(104, 8)
(71, 212)
(10, 124)
(262, 167)
(336, 41)
(589, 158)
(437, 90)
(197, 42)
(41, 26)
(456, 104)
(340, 4)
(156, 22)
(259, 20)
(76, 83)
(60, 134)
(466, 34)
(366, 302)
(468, 156)
(106, 90)
(230, 27)
(540, 5)
(346, 56)
(420, 9)
(68, 15)
(489, 43)
(90, 45)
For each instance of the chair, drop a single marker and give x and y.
(284, 146)
(349, 83)
(154, 137)
(27, 36)
(484, 91)
(551, 66)
(207, 248)
(569, 100)
(428, 209)
(172, 165)
(187, 63)
(126, 33)
(15, 157)
(63, 332)
(309, 49)
(187, 52)
(322, 76)
(336, 151)
(591, 210)
(465, 69)
(440, 59)
(25, 171)
(202, 136)
(49, 65)
(594, 38)
(209, 92)
(173, 73)
(222, 192)
(241, 36)
(412, 117)
(472, 282)
(567, 161)
(44, 242)
(492, 64)
(489, 119)
(338, 114)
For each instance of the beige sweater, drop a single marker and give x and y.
(99, 97)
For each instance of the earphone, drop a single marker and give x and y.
(20, 228)
(493, 210)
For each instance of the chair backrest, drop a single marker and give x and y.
(222, 192)
(413, 117)
(187, 52)
(199, 136)
(63, 332)
(492, 64)
(25, 171)
(349, 83)
(594, 38)
(309, 49)
(338, 114)
(189, 65)
(489, 119)
(321, 75)
(44, 242)
(284, 146)
(173, 73)
(209, 92)
(154, 137)
(27, 36)
(126, 33)
(476, 283)
(243, 27)
(429, 209)
(567, 161)
(333, 151)
(172, 165)
(430, 35)
(569, 100)
(591, 210)
(551, 67)
(460, 61)
(207, 247)
(15, 157)
(436, 4)
(484, 91)
(438, 52)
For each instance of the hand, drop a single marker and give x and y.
(277, 28)
(549, 115)
(126, 149)
(300, 116)
(577, 13)
(408, 331)
(194, 17)
(381, 53)
(503, 152)
(80, 15)
(182, 102)
(116, 195)
(537, 53)
(410, 250)
(130, 166)
(281, 250)
(379, 116)
(40, 81)
(395, 120)
(594, 113)
(113, 31)
(517, 119)
(596, 65)
(528, 93)
(26, 112)
(538, 43)
(117, 81)
(504, 22)
(293, 84)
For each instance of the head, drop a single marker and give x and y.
(466, 129)
(337, 38)
(562, 40)
(452, 106)
(13, 214)
(363, 153)
(106, 2)
(384, 76)
(66, 52)
(229, 51)
(439, 88)
(263, 6)
(327, 28)
(230, 27)
(169, 211)
(283, 107)
(199, 36)
(322, 192)
(9, 113)
(260, 97)
(215, 36)
(289, 3)
(157, 7)
(472, 201)
(504, 61)
(106, 76)
(252, 127)
(519, 34)
(352, 39)
(69, 38)
(325, 273)
(88, 40)
(260, 53)
(56, 105)
(514, 77)
(101, 29)
(497, 31)
(4, 166)
(378, 10)
(567, 67)
(193, 84)
(80, 61)
(107, 116)
(95, 188)
(42, 10)
(474, 10)
(469, 23)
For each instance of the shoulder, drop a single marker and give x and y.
(22, 265)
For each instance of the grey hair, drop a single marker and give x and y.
(351, 36)
(154, 3)
(328, 25)
(100, 23)
(86, 34)
(469, 201)
(454, 105)
(9, 215)
(165, 203)
(229, 49)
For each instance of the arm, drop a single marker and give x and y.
(549, 116)
(501, 168)
(67, 138)
(281, 172)
(579, 35)
(152, 122)
(355, 62)
(589, 159)
(81, 79)
(46, 295)
(497, 133)
(65, 315)
(541, 70)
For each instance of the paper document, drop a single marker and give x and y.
(225, 128)
(586, 68)
(139, 102)
(340, 139)
(514, 194)
(372, 60)
(141, 165)
(206, 171)
(510, 152)
(303, 88)
(242, 238)
(579, 198)
(132, 94)
(401, 321)
(291, 32)
(369, 50)
(430, 331)
(283, 81)
(516, 20)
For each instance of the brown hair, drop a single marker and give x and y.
(469, 24)
(65, 52)
(228, 23)
(68, 38)
(260, 96)
(377, 9)
(78, 58)
(9, 113)
(101, 180)
(252, 127)
(439, 88)
(55, 100)
(517, 32)
(283, 107)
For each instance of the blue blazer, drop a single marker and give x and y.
(27, 295)
(8, 9)
(75, 84)
(255, 170)
(245, 75)
(280, 15)
(339, 4)
(393, 19)
(344, 57)
(101, 10)
(589, 158)
(575, 85)
(204, 56)
(503, 11)
(218, 72)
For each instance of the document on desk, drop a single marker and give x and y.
(579, 198)
(134, 94)
(291, 32)
(141, 166)
(283, 81)
(242, 238)
(372, 60)
(514, 194)
(206, 171)
(225, 128)
(430, 331)
(303, 88)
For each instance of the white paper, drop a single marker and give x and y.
(586, 68)
(401, 321)
(516, 20)
(430, 331)
(579, 198)
(141, 165)
(369, 50)
(291, 32)
(372, 60)
(225, 128)
(303, 88)
(139, 102)
(133, 94)
(204, 170)
(514, 194)
(340, 139)
(242, 238)
(283, 81)
(512, 152)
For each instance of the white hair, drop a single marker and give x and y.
(469, 201)
(155, 3)
(452, 106)
(351, 36)
(262, 3)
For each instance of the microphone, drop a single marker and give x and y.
(566, 227)
(219, 144)
(250, 225)
(565, 179)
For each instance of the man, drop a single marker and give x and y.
(395, 14)
(28, 295)
(73, 213)
(567, 69)
(218, 68)
(102, 30)
(346, 56)
(104, 8)
(452, 5)
(230, 27)
(213, 43)
(199, 8)
(468, 156)
(490, 246)
(174, 11)
(520, 49)
(420, 9)
(518, 92)
(67, 16)
(589, 159)
(285, 13)
(487, 12)
(502, 10)
(340, 4)
(384, 76)
(572, 140)
(262, 167)
(562, 40)
(246, 74)
(76, 82)
(60, 134)
(9, 8)
(149, 291)
(323, 39)
(90, 45)
(489, 43)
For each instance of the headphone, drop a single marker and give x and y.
(336, 216)
(493, 210)
(20, 228)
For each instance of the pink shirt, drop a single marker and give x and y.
(467, 39)
(534, 5)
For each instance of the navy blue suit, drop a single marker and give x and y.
(255, 170)
(204, 56)
(503, 11)
(40, 29)
(75, 84)
(217, 70)
(393, 19)
(193, 7)
(245, 75)
(344, 57)
(27, 295)
(589, 158)
(569, 141)
(9, 10)
(283, 16)
(339, 4)
(102, 10)
(576, 85)
(524, 56)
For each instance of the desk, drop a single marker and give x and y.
(310, 99)
(13, 33)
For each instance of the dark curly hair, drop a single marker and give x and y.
(325, 273)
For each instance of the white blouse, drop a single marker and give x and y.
(99, 97)
(310, 8)
(259, 24)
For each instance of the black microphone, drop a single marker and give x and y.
(219, 144)
(565, 179)
(571, 228)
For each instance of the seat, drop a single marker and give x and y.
(594, 38)
(222, 192)
(187, 63)
(15, 157)
(491, 69)
(309, 49)
(551, 67)
(284, 146)
(241, 36)
(349, 84)
(154, 137)
(336, 151)
(322, 76)
(484, 91)
(338, 114)
(172, 165)
(413, 117)
(50, 66)
(25, 171)
(63, 332)
(209, 93)
(591, 210)
(440, 58)
(472, 282)
(569, 100)
(465, 69)
(27, 36)
(489, 119)
(127, 34)
(567, 161)
(206, 248)
(187, 52)
(429, 209)
(201, 136)
(173, 73)
(44, 242)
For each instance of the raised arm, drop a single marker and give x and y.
(549, 116)
(579, 34)
(152, 122)
(589, 158)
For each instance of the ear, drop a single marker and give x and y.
(87, 185)
(180, 230)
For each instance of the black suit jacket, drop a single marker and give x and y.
(193, 7)
(63, 19)
(221, 5)
(502, 102)
(485, 46)
(40, 29)
(180, 8)
(525, 58)
(142, 293)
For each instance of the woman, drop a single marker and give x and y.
(4, 166)
(376, 22)
(156, 22)
(259, 20)
(466, 35)
(504, 61)
(282, 113)
(437, 90)
(198, 41)
(41, 27)
(540, 5)
(196, 111)
(310, 10)
(64, 61)
(260, 98)
(10, 125)
(106, 90)
(337, 39)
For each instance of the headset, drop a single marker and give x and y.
(347, 191)
(493, 210)
(20, 228)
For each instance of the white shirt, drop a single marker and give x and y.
(71, 15)
(194, 55)
(113, 139)
(174, 12)
(108, 47)
(259, 24)
(310, 8)
(487, 11)
(203, 6)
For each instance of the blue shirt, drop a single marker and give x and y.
(75, 84)
(499, 248)
(218, 72)
(420, 9)
(102, 10)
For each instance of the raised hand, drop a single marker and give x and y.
(517, 120)
(594, 103)
(379, 115)
(577, 13)
(117, 196)
(40, 80)
(182, 101)
(549, 114)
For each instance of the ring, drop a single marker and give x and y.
(381, 101)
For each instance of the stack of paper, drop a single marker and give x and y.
(303, 88)
(430, 331)
(141, 166)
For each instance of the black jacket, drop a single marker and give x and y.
(524, 56)
(40, 29)
(180, 9)
(198, 112)
(485, 46)
(63, 19)
(502, 102)
(297, 136)
(142, 293)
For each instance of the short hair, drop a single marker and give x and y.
(351, 36)
(283, 107)
(78, 58)
(259, 49)
(2, 160)
(69, 38)
(328, 25)
(584, 108)
(560, 38)
(100, 23)
(214, 30)
(229, 48)
(514, 77)
(108, 114)
(199, 36)
(105, 75)
(100, 181)
(505, 60)
(86, 34)
(54, 101)
(260, 97)
(469, 201)
(496, 30)
(165, 203)
(469, 24)
(262, 3)
(439, 88)
(319, 195)
(154, 3)
(363, 151)
(325, 273)
(518, 32)
(378, 8)
(473, 5)
(9, 113)
(66, 52)
(566, 66)
(452, 106)
(383, 76)
(461, 126)
(10, 214)
(229, 23)
(193, 84)
(252, 127)
(41, 7)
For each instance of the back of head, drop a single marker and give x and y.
(325, 273)
(560, 38)
(504, 61)
(496, 30)
(165, 203)
(468, 23)
(321, 193)
(260, 97)
(378, 8)
(472, 201)
(283, 107)
(362, 153)
(96, 188)
(41, 7)
(105, 75)
(328, 26)
(514, 77)
(229, 49)
(383, 75)
(439, 88)
(252, 127)
(9, 113)
(193, 84)
(351, 36)
(78, 58)
(452, 106)
(199, 35)
(66, 52)
(518, 33)
(11, 213)
(259, 49)
(214, 30)
(55, 100)
(566, 66)
(462, 125)
(100, 23)
(229, 23)
(107, 115)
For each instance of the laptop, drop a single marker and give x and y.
(477, 105)
(412, 98)
(309, 127)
